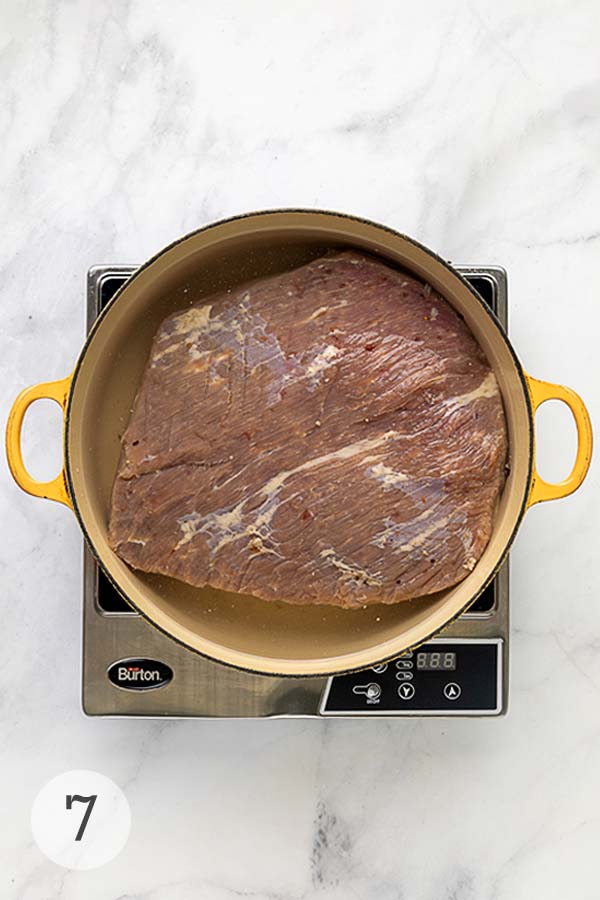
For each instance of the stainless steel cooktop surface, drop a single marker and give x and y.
(132, 669)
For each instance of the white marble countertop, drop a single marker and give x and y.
(473, 127)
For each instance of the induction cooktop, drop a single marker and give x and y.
(132, 669)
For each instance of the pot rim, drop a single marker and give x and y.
(490, 314)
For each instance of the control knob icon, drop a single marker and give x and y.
(371, 691)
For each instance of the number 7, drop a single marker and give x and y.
(77, 798)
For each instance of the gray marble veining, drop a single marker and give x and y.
(474, 127)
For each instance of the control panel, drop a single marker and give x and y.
(444, 677)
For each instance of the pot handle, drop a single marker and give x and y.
(539, 392)
(57, 488)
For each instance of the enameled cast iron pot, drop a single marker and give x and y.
(245, 632)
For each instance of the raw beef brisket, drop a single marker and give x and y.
(331, 435)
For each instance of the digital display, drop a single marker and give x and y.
(436, 662)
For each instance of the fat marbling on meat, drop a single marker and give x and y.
(332, 434)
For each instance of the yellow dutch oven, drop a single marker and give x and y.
(243, 631)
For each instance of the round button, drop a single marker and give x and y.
(373, 691)
(380, 668)
(406, 691)
(452, 691)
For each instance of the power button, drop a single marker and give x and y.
(371, 691)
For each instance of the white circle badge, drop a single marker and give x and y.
(81, 819)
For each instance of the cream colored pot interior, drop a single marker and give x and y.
(241, 630)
